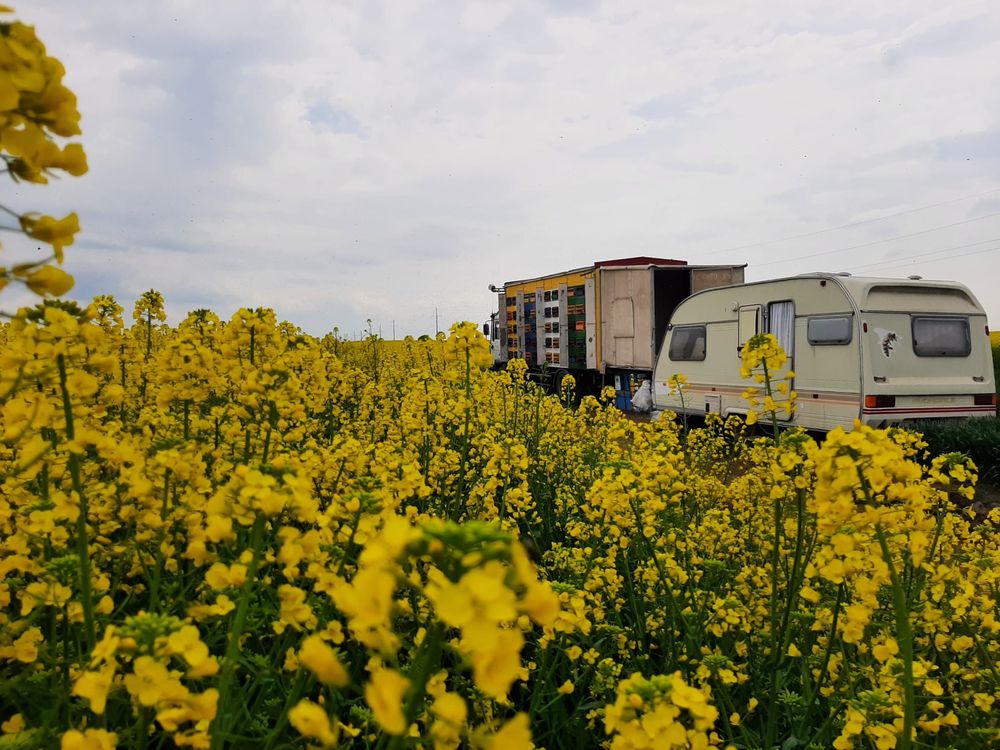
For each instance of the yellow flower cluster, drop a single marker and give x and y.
(348, 541)
(35, 109)
(763, 360)
(660, 712)
(150, 643)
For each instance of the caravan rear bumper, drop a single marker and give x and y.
(877, 417)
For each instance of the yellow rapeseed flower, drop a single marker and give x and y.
(321, 660)
(384, 693)
(312, 721)
(88, 739)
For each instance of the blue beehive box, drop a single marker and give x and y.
(623, 394)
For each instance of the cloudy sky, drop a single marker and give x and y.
(340, 161)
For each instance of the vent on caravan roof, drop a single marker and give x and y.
(914, 277)
(843, 273)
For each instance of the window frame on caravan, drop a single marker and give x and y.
(673, 343)
(921, 351)
(742, 320)
(848, 318)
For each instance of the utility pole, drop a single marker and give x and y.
(394, 330)
(437, 329)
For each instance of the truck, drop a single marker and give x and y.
(880, 350)
(602, 323)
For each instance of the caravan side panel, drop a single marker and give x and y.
(827, 377)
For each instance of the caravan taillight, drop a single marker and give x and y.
(880, 402)
(986, 399)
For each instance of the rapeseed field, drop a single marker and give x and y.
(229, 533)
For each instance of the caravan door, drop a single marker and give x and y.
(781, 322)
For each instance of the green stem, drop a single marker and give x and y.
(541, 678)
(904, 637)
(142, 729)
(814, 691)
(835, 712)
(776, 642)
(349, 547)
(267, 445)
(165, 503)
(796, 572)
(640, 619)
(82, 540)
(768, 391)
(730, 707)
(154, 591)
(233, 646)
(664, 580)
(291, 700)
(425, 663)
(65, 664)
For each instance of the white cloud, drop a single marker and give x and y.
(354, 160)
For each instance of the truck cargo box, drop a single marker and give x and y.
(599, 320)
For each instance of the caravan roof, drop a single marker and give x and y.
(869, 293)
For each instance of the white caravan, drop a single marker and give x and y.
(879, 350)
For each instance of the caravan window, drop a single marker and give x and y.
(941, 337)
(781, 322)
(749, 318)
(829, 330)
(687, 344)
